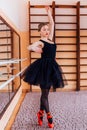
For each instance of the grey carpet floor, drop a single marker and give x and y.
(4, 99)
(69, 110)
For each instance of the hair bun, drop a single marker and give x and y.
(40, 25)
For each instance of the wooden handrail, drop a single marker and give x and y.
(5, 22)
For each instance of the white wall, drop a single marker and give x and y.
(57, 1)
(17, 10)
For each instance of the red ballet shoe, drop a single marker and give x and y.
(40, 117)
(50, 120)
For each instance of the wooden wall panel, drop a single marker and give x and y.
(83, 47)
(70, 38)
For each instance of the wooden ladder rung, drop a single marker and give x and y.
(65, 44)
(31, 29)
(58, 58)
(83, 57)
(83, 14)
(83, 86)
(5, 51)
(2, 23)
(37, 22)
(66, 36)
(5, 44)
(66, 58)
(35, 36)
(83, 64)
(57, 36)
(83, 50)
(38, 14)
(5, 30)
(70, 79)
(65, 51)
(83, 28)
(84, 36)
(65, 6)
(5, 37)
(3, 80)
(68, 65)
(65, 23)
(3, 66)
(6, 73)
(83, 43)
(6, 59)
(65, 15)
(83, 72)
(66, 29)
(38, 6)
(83, 6)
(69, 73)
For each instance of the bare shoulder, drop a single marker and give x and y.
(37, 43)
(50, 41)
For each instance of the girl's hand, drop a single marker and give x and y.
(48, 9)
(37, 49)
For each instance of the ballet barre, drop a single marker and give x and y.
(8, 62)
(3, 62)
(12, 78)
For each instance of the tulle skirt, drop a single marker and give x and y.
(45, 72)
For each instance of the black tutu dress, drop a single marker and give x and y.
(45, 71)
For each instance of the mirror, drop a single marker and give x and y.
(10, 65)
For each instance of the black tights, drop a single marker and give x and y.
(44, 104)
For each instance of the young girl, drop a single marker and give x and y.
(44, 71)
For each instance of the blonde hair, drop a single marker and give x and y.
(41, 25)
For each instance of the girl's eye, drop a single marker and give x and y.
(45, 29)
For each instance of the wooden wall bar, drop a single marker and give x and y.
(65, 37)
(83, 48)
(78, 46)
(69, 37)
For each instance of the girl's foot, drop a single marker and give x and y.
(40, 117)
(50, 120)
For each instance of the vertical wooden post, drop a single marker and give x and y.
(53, 14)
(30, 40)
(78, 46)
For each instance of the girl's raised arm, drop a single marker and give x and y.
(51, 22)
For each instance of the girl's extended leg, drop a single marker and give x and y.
(44, 104)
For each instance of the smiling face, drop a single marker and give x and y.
(44, 32)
